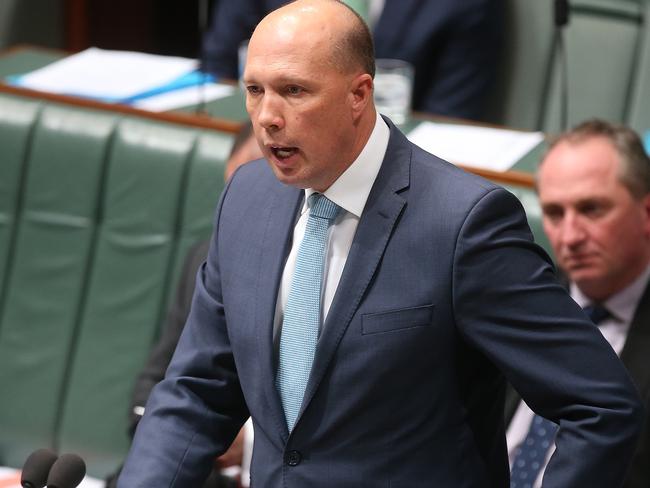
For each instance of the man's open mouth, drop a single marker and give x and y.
(282, 152)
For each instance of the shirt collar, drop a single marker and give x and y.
(350, 191)
(621, 305)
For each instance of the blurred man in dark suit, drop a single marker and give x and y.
(452, 44)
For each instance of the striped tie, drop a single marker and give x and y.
(302, 314)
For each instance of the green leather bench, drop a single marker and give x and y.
(97, 211)
(608, 53)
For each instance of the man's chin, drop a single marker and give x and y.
(289, 176)
(591, 282)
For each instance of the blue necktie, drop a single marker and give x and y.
(302, 314)
(531, 455)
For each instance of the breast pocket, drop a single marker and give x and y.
(395, 320)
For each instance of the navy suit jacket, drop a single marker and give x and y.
(453, 44)
(634, 355)
(443, 294)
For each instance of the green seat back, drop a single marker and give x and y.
(97, 212)
(602, 41)
(517, 96)
(638, 116)
(160, 191)
(17, 118)
(204, 185)
(46, 278)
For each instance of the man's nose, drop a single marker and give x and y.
(270, 114)
(572, 230)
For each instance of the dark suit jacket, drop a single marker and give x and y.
(443, 292)
(636, 357)
(453, 44)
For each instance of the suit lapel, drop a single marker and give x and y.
(379, 217)
(278, 218)
(635, 352)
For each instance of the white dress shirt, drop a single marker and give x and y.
(621, 306)
(350, 192)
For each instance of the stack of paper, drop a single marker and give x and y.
(480, 147)
(126, 77)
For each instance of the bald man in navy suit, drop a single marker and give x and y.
(432, 293)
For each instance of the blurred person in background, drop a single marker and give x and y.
(594, 189)
(454, 45)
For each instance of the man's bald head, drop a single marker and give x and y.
(309, 90)
(348, 36)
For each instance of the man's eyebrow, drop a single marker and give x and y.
(282, 79)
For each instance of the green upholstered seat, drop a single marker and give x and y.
(97, 212)
(608, 58)
(53, 237)
(602, 43)
(638, 113)
(17, 118)
(517, 96)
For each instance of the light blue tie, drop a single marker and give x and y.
(302, 313)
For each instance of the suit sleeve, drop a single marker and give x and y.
(194, 414)
(509, 305)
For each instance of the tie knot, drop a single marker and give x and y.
(597, 313)
(321, 206)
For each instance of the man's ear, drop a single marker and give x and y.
(361, 93)
(646, 207)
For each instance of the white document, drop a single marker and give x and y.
(183, 97)
(479, 147)
(108, 75)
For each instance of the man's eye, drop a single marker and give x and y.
(593, 210)
(253, 89)
(553, 216)
(294, 90)
(553, 213)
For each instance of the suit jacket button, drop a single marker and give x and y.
(293, 458)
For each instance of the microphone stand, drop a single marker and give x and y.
(561, 18)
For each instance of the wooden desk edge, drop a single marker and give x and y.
(201, 121)
(512, 177)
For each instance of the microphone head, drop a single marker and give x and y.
(66, 472)
(36, 468)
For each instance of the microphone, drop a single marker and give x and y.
(66, 472)
(36, 468)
